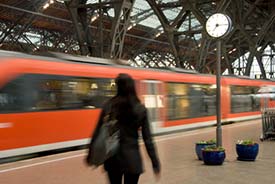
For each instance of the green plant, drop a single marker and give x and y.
(211, 141)
(246, 142)
(213, 148)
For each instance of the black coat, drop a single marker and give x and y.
(128, 159)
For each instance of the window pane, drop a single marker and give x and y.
(190, 100)
(71, 92)
(35, 92)
(12, 96)
(244, 99)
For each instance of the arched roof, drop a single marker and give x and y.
(159, 33)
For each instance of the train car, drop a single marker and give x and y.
(48, 103)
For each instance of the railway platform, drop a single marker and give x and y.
(178, 158)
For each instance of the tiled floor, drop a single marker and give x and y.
(178, 159)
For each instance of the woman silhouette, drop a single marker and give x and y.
(131, 116)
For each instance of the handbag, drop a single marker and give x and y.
(106, 143)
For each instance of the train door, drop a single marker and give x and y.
(152, 95)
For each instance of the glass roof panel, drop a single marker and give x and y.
(152, 20)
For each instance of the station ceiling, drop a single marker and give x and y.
(147, 33)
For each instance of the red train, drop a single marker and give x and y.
(49, 103)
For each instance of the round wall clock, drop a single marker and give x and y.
(218, 25)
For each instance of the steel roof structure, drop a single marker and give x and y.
(148, 33)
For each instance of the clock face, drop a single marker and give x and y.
(218, 25)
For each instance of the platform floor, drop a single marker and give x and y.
(178, 159)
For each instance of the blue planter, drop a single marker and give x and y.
(213, 157)
(247, 152)
(198, 148)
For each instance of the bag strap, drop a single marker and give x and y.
(111, 113)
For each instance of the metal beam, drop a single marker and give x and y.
(204, 47)
(227, 61)
(223, 4)
(265, 28)
(72, 7)
(198, 14)
(169, 28)
(120, 26)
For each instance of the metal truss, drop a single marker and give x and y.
(154, 59)
(180, 41)
(120, 27)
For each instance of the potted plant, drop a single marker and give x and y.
(247, 150)
(202, 144)
(213, 155)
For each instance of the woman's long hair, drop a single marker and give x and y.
(126, 98)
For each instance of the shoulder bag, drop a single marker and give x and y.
(106, 143)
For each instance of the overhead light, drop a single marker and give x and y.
(159, 33)
(94, 17)
(62, 1)
(46, 6)
(131, 26)
(233, 50)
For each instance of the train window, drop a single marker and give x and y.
(73, 92)
(13, 96)
(35, 92)
(153, 99)
(190, 100)
(244, 99)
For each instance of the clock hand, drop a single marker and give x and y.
(217, 25)
(222, 24)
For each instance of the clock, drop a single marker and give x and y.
(218, 25)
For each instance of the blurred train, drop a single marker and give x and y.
(48, 103)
